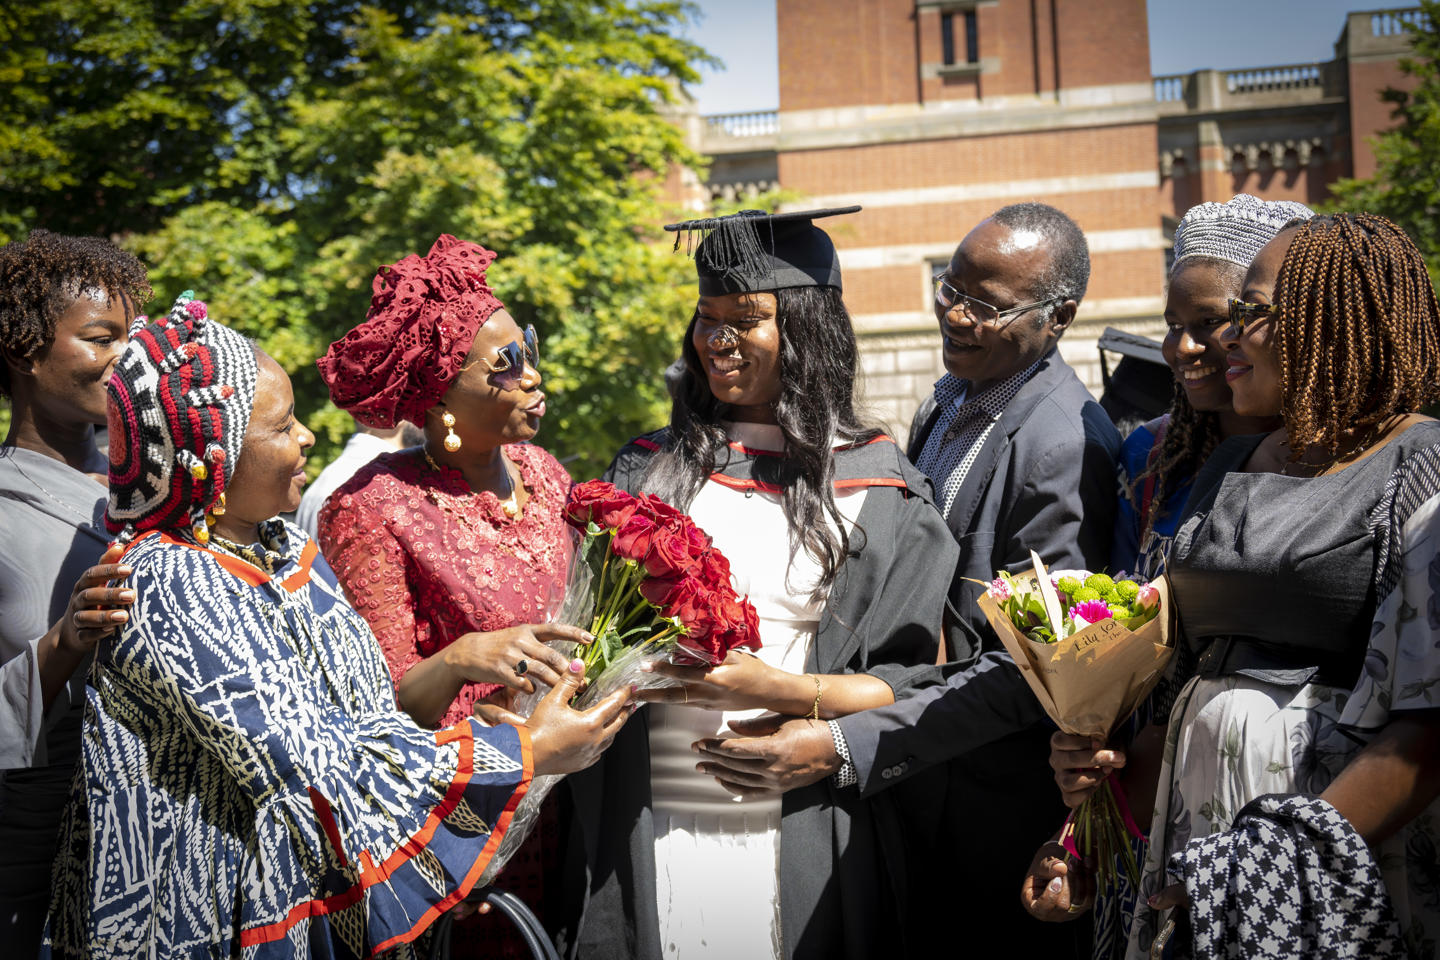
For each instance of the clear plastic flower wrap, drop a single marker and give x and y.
(648, 585)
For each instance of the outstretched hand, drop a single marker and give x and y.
(772, 755)
(495, 655)
(742, 681)
(563, 739)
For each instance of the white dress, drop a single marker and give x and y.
(717, 857)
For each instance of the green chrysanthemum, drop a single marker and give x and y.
(1085, 594)
(1128, 590)
(1068, 585)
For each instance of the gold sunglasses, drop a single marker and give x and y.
(1243, 313)
(508, 368)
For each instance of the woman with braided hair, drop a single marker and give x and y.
(1214, 245)
(1296, 812)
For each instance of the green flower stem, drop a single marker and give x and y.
(611, 599)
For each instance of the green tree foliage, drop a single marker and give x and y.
(272, 155)
(1406, 184)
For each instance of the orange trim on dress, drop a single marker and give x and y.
(370, 875)
(527, 760)
(250, 574)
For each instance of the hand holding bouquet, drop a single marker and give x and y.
(1091, 649)
(649, 585)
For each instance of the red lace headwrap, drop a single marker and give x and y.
(423, 316)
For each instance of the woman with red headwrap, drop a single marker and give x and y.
(455, 550)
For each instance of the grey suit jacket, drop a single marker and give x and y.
(1044, 480)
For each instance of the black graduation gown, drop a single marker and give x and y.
(842, 863)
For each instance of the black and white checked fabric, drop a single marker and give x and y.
(846, 776)
(1290, 879)
(960, 432)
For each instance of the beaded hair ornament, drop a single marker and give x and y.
(179, 405)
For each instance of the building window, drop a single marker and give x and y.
(947, 38)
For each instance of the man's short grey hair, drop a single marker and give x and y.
(1069, 271)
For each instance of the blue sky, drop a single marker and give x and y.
(1185, 35)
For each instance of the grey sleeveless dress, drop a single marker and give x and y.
(1278, 582)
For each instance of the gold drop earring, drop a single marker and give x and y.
(452, 442)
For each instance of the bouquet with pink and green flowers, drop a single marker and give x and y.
(1085, 599)
(1091, 648)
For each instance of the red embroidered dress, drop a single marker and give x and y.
(426, 560)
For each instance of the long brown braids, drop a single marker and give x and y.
(1356, 332)
(1190, 437)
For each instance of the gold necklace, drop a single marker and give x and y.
(510, 506)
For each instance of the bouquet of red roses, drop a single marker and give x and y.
(656, 584)
(649, 585)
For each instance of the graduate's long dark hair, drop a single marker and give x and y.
(816, 406)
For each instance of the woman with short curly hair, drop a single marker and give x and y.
(65, 309)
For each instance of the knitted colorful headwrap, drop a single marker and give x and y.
(424, 313)
(1234, 231)
(180, 402)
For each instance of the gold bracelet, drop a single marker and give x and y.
(815, 707)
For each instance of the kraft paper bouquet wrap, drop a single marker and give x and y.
(1091, 648)
(647, 583)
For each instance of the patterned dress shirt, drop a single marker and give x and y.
(958, 435)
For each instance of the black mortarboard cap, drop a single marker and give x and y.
(753, 250)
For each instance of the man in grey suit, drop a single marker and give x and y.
(1022, 458)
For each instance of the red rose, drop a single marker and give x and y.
(727, 610)
(697, 542)
(658, 509)
(669, 554)
(691, 603)
(743, 629)
(633, 537)
(713, 569)
(660, 590)
(599, 502)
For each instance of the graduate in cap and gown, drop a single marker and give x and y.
(835, 538)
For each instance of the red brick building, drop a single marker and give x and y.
(933, 113)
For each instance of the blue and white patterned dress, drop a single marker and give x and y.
(248, 786)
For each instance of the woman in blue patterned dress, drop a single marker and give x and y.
(248, 785)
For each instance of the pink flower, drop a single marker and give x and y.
(999, 590)
(196, 309)
(1147, 597)
(1091, 611)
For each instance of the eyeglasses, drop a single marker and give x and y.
(984, 314)
(508, 368)
(1242, 313)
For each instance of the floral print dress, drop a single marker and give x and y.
(1364, 545)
